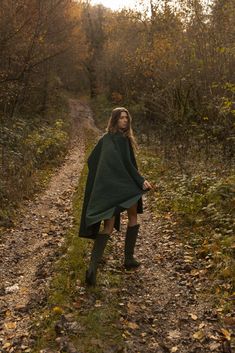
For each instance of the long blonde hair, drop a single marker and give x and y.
(112, 126)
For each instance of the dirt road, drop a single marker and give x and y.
(162, 308)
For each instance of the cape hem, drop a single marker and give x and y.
(115, 211)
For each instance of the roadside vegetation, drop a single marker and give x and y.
(201, 204)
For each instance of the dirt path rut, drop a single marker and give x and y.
(164, 306)
(28, 250)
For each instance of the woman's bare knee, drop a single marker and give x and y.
(108, 226)
(132, 215)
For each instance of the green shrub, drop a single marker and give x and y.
(47, 144)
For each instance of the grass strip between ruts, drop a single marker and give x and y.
(93, 312)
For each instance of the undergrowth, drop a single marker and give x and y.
(31, 148)
(203, 206)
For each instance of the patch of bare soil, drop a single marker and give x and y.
(29, 249)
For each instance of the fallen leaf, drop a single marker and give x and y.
(132, 325)
(12, 289)
(214, 346)
(226, 334)
(174, 334)
(229, 321)
(57, 310)
(8, 313)
(24, 290)
(6, 345)
(213, 337)
(10, 325)
(219, 310)
(193, 316)
(198, 335)
(194, 273)
(188, 259)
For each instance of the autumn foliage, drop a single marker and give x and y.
(170, 63)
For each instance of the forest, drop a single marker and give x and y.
(173, 69)
(171, 63)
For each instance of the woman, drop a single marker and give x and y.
(113, 185)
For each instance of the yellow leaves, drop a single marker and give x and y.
(10, 325)
(24, 290)
(132, 325)
(75, 11)
(168, 215)
(6, 345)
(226, 334)
(219, 310)
(188, 259)
(125, 334)
(58, 310)
(194, 273)
(221, 50)
(199, 335)
(8, 313)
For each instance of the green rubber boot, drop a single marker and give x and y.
(130, 241)
(96, 255)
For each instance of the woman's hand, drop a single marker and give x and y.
(147, 185)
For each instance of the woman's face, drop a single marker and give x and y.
(123, 121)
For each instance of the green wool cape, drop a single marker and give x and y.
(113, 183)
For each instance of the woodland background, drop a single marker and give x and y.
(171, 65)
